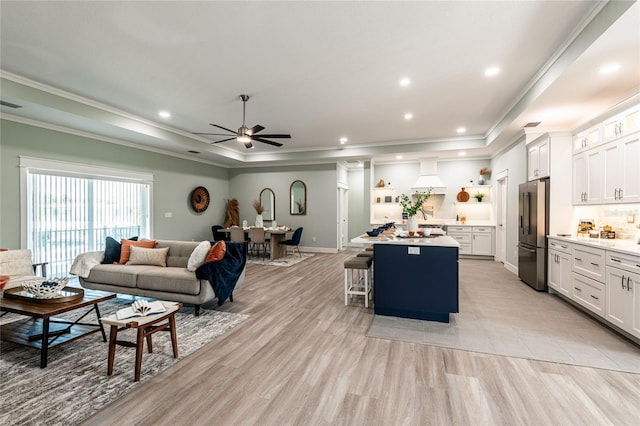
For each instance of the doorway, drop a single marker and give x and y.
(343, 216)
(501, 216)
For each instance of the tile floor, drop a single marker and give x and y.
(501, 315)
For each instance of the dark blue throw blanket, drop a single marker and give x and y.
(224, 274)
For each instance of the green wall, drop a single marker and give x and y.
(174, 179)
(320, 222)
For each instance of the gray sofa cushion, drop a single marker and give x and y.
(174, 280)
(179, 251)
(120, 275)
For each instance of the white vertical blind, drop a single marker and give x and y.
(68, 215)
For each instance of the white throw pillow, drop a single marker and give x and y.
(198, 256)
(148, 256)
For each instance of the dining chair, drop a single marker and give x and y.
(237, 234)
(218, 234)
(257, 239)
(294, 241)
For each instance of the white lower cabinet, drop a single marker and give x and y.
(604, 282)
(482, 241)
(623, 294)
(560, 272)
(589, 293)
(475, 240)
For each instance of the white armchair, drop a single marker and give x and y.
(18, 266)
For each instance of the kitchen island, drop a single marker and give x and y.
(414, 277)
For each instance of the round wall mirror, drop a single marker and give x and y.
(298, 198)
(268, 201)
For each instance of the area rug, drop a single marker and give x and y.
(501, 315)
(75, 384)
(290, 260)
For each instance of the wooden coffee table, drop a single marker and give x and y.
(42, 331)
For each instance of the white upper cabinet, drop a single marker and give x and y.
(606, 159)
(538, 158)
(622, 124)
(588, 139)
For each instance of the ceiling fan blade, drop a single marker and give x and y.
(213, 134)
(248, 145)
(255, 129)
(266, 141)
(276, 136)
(224, 140)
(223, 128)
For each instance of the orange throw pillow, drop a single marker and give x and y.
(126, 248)
(216, 252)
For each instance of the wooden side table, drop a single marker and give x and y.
(146, 326)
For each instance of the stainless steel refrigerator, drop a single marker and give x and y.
(533, 200)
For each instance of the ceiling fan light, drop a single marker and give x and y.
(243, 139)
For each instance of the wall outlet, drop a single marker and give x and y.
(631, 218)
(313, 239)
(168, 215)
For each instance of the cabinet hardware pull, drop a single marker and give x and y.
(594, 264)
(564, 247)
(620, 193)
(638, 265)
(577, 288)
(578, 259)
(623, 282)
(613, 259)
(629, 283)
(594, 296)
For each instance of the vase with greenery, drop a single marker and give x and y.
(410, 206)
(257, 205)
(479, 196)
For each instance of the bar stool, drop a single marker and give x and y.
(357, 280)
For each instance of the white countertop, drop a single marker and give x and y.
(622, 246)
(441, 241)
(448, 222)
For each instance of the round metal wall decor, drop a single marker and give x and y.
(200, 199)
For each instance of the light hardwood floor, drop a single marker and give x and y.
(303, 358)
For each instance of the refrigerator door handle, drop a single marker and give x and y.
(527, 213)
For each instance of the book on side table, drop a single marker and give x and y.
(140, 308)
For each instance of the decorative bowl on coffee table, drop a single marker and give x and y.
(45, 288)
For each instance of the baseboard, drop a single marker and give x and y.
(318, 250)
(511, 268)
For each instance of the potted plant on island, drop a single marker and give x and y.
(410, 206)
(479, 196)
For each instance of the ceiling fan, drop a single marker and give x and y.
(247, 135)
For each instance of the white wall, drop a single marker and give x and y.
(514, 161)
(358, 214)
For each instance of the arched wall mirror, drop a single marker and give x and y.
(268, 201)
(298, 198)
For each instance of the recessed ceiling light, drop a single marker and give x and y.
(607, 69)
(398, 157)
(404, 82)
(343, 140)
(491, 72)
(408, 116)
(461, 129)
(462, 154)
(164, 114)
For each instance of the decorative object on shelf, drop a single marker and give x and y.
(585, 226)
(200, 199)
(463, 218)
(479, 196)
(411, 207)
(47, 288)
(387, 199)
(257, 205)
(233, 213)
(483, 172)
(463, 196)
(380, 183)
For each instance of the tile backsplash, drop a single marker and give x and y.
(617, 215)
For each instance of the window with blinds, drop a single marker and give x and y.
(72, 213)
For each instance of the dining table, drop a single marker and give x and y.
(276, 236)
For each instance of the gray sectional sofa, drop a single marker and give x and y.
(173, 282)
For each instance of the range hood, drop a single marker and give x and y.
(429, 178)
